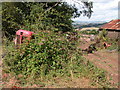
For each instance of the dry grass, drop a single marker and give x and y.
(89, 28)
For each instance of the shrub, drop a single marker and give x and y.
(47, 56)
(47, 52)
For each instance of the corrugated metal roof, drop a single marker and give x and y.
(114, 24)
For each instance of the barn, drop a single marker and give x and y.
(113, 28)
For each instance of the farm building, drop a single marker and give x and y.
(113, 28)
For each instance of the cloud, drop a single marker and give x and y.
(107, 6)
(103, 10)
(100, 1)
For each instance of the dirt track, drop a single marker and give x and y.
(107, 60)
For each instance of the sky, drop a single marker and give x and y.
(103, 10)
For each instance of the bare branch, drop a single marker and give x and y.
(51, 7)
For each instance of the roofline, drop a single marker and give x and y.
(110, 29)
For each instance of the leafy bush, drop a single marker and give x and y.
(47, 56)
(114, 45)
(103, 35)
(46, 53)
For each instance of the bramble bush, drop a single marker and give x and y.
(44, 54)
(47, 56)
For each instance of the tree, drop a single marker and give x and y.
(36, 16)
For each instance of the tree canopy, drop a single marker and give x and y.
(35, 16)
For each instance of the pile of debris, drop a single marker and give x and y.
(94, 47)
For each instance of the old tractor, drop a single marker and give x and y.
(21, 36)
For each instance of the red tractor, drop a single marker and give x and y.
(22, 35)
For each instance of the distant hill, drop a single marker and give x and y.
(84, 24)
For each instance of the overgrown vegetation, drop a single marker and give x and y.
(35, 16)
(111, 41)
(51, 54)
(47, 56)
